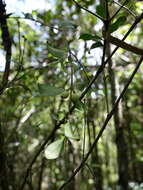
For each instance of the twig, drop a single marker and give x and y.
(94, 14)
(124, 45)
(19, 40)
(132, 13)
(81, 66)
(37, 21)
(118, 10)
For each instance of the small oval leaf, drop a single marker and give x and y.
(46, 90)
(54, 149)
(119, 22)
(96, 45)
(67, 25)
(59, 53)
(100, 11)
(86, 36)
(69, 133)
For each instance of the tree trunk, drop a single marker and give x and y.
(120, 132)
(96, 159)
(69, 167)
(3, 164)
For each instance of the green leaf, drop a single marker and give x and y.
(119, 22)
(34, 13)
(79, 105)
(67, 25)
(28, 15)
(77, 102)
(46, 90)
(69, 133)
(54, 149)
(59, 53)
(86, 36)
(96, 45)
(65, 94)
(100, 11)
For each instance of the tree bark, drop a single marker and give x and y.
(121, 144)
(3, 165)
(96, 159)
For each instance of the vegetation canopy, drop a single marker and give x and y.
(71, 96)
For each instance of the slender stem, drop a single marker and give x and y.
(132, 13)
(94, 14)
(118, 10)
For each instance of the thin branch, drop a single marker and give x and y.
(84, 131)
(107, 10)
(132, 13)
(118, 10)
(37, 21)
(109, 116)
(92, 173)
(119, 43)
(81, 66)
(94, 14)
(19, 40)
(106, 91)
(21, 59)
(104, 77)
